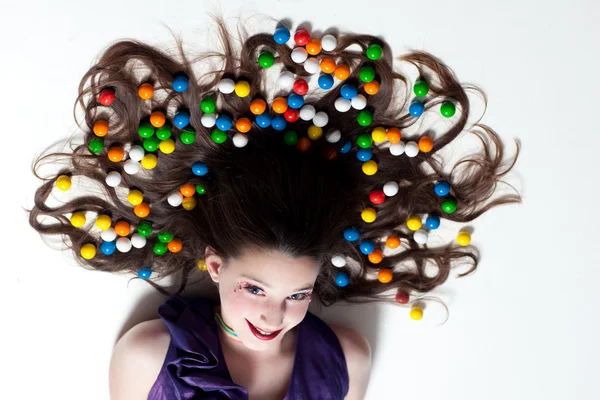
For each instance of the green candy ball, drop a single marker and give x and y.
(145, 228)
(146, 130)
(364, 117)
(96, 145)
(367, 73)
(364, 140)
(218, 136)
(164, 132)
(208, 105)
(266, 59)
(151, 144)
(160, 248)
(165, 237)
(448, 109)
(290, 138)
(421, 88)
(374, 52)
(200, 189)
(187, 136)
(449, 205)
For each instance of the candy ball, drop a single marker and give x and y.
(342, 279)
(342, 72)
(314, 132)
(369, 168)
(345, 147)
(425, 144)
(351, 234)
(333, 136)
(201, 265)
(385, 275)
(243, 125)
(393, 135)
(311, 65)
(103, 222)
(187, 190)
(242, 89)
(366, 73)
(291, 114)
(144, 273)
(187, 136)
(175, 245)
(321, 119)
(377, 196)
(348, 91)
(290, 138)
(307, 112)
(392, 242)
(364, 154)
(200, 189)
(144, 228)
(374, 51)
(295, 101)
(136, 153)
(167, 146)
(338, 261)
(397, 149)
(165, 237)
(108, 248)
(96, 145)
(135, 197)
(88, 251)
(449, 205)
(258, 106)
(359, 102)
(378, 134)
(263, 120)
(463, 238)
(411, 149)
(208, 105)
(342, 105)
(122, 228)
(366, 247)
(313, 47)
(328, 42)
(63, 183)
(281, 35)
(151, 144)
(132, 167)
(432, 222)
(420, 236)
(376, 256)
(224, 122)
(78, 219)
(106, 97)
(189, 203)
(327, 65)
(364, 140)
(175, 199)
(199, 168)
(416, 313)
(149, 161)
(123, 244)
(391, 188)
(421, 88)
(402, 297)
(372, 88)
(448, 109)
(181, 119)
(416, 108)
(266, 59)
(180, 83)
(299, 55)
(442, 188)
(364, 117)
(368, 215)
(226, 86)
(158, 119)
(325, 81)
(278, 123)
(218, 136)
(146, 130)
(100, 128)
(240, 140)
(115, 154)
(414, 223)
(142, 210)
(301, 37)
(286, 79)
(279, 105)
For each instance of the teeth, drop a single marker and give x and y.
(263, 333)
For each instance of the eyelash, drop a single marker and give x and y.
(251, 287)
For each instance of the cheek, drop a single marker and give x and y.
(238, 303)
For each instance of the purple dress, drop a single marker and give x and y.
(195, 368)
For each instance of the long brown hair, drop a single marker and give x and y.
(268, 194)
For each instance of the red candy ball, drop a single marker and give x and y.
(300, 87)
(377, 196)
(291, 114)
(402, 297)
(301, 37)
(106, 97)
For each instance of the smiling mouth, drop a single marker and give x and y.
(263, 335)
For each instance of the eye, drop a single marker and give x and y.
(253, 289)
(303, 296)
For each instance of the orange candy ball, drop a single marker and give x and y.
(327, 65)
(280, 105)
(393, 135)
(313, 47)
(258, 106)
(385, 275)
(142, 210)
(101, 128)
(157, 119)
(376, 256)
(122, 228)
(175, 245)
(342, 72)
(392, 242)
(243, 125)
(146, 91)
(188, 190)
(425, 144)
(116, 154)
(372, 87)
(303, 144)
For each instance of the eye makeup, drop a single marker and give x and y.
(249, 287)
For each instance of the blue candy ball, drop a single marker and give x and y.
(295, 100)
(278, 122)
(367, 247)
(180, 83)
(345, 148)
(326, 81)
(349, 91)
(224, 122)
(281, 35)
(181, 119)
(263, 120)
(433, 222)
(108, 248)
(442, 188)
(416, 108)
(199, 168)
(341, 279)
(145, 273)
(364, 154)
(351, 234)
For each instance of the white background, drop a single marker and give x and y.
(524, 326)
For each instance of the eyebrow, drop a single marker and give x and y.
(269, 286)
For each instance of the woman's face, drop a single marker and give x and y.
(269, 290)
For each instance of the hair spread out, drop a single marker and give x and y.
(284, 189)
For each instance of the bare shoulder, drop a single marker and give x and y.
(137, 359)
(357, 352)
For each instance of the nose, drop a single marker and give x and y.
(272, 315)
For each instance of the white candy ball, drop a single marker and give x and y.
(226, 86)
(108, 235)
(240, 140)
(311, 65)
(421, 236)
(123, 244)
(328, 42)
(299, 55)
(136, 153)
(338, 261)
(412, 149)
(307, 112)
(132, 167)
(208, 120)
(333, 136)
(390, 188)
(359, 102)
(286, 79)
(138, 241)
(113, 179)
(397, 148)
(320, 119)
(342, 104)
(175, 199)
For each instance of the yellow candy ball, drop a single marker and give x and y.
(78, 219)
(414, 223)
(368, 215)
(167, 146)
(369, 167)
(88, 251)
(135, 197)
(63, 183)
(416, 313)
(149, 161)
(242, 88)
(379, 134)
(201, 265)
(189, 203)
(314, 132)
(103, 222)
(463, 238)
